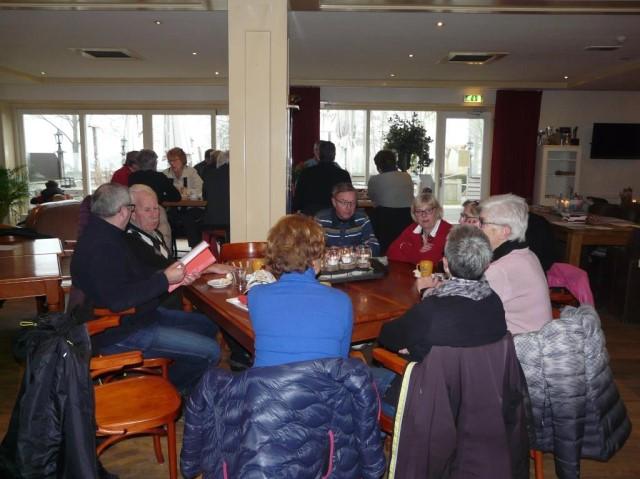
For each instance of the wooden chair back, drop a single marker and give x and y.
(249, 250)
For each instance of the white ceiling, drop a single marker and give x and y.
(328, 47)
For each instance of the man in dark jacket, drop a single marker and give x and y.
(313, 190)
(109, 275)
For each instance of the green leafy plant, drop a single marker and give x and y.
(409, 139)
(13, 188)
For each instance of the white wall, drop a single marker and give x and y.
(604, 178)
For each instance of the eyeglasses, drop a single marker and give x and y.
(466, 217)
(425, 212)
(484, 222)
(346, 204)
(131, 206)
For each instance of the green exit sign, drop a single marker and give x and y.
(473, 99)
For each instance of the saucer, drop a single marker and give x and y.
(219, 282)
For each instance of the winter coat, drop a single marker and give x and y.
(462, 414)
(300, 420)
(577, 410)
(52, 428)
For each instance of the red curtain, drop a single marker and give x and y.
(515, 130)
(305, 129)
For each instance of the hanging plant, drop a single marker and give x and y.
(409, 139)
(13, 188)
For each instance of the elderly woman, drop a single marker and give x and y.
(424, 239)
(470, 214)
(297, 318)
(515, 273)
(187, 180)
(462, 312)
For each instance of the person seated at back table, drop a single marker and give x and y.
(515, 272)
(344, 225)
(148, 244)
(50, 193)
(424, 239)
(314, 187)
(187, 180)
(297, 318)
(110, 275)
(121, 175)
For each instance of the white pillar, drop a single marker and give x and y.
(258, 92)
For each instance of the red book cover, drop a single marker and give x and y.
(197, 260)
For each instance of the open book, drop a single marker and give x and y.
(198, 259)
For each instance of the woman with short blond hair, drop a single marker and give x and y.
(424, 239)
(297, 318)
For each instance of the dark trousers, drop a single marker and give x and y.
(186, 221)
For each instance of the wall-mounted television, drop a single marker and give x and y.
(616, 141)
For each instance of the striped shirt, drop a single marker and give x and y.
(352, 232)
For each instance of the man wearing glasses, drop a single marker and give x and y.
(344, 225)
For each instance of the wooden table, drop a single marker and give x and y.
(31, 247)
(374, 302)
(31, 277)
(607, 232)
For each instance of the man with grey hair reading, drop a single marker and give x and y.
(110, 276)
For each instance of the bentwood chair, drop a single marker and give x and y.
(398, 364)
(242, 253)
(145, 404)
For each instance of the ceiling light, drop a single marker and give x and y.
(440, 24)
(43, 73)
(194, 53)
(157, 22)
(217, 73)
(566, 77)
(410, 55)
(392, 75)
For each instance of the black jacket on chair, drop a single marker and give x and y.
(52, 428)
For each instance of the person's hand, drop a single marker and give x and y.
(427, 282)
(175, 273)
(190, 278)
(219, 268)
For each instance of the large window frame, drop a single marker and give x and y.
(82, 112)
(437, 134)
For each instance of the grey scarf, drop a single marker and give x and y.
(467, 288)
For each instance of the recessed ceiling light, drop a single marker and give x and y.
(194, 53)
(566, 77)
(392, 75)
(410, 55)
(217, 73)
(43, 73)
(440, 24)
(157, 22)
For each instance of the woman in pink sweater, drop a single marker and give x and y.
(515, 273)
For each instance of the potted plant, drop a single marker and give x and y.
(409, 139)
(13, 188)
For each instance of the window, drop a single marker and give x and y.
(192, 133)
(347, 129)
(57, 148)
(53, 151)
(109, 138)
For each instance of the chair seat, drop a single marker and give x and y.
(136, 404)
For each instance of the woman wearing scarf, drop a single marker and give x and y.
(515, 273)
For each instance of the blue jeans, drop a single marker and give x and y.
(383, 378)
(187, 338)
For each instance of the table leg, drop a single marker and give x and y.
(53, 295)
(574, 249)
